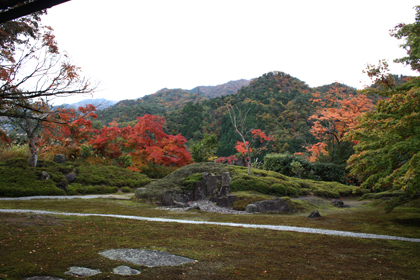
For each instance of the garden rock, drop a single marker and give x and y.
(148, 258)
(213, 184)
(45, 175)
(224, 190)
(71, 177)
(314, 214)
(125, 270)
(338, 203)
(226, 179)
(273, 205)
(167, 199)
(82, 271)
(60, 158)
(251, 208)
(222, 202)
(61, 185)
(193, 205)
(199, 190)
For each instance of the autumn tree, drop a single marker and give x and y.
(32, 67)
(248, 135)
(388, 137)
(65, 130)
(338, 112)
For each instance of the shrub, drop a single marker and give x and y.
(282, 163)
(293, 165)
(16, 181)
(126, 189)
(110, 175)
(155, 171)
(76, 188)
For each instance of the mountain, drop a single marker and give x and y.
(221, 90)
(99, 103)
(276, 102)
(164, 100)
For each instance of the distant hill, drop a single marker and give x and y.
(164, 100)
(99, 103)
(221, 90)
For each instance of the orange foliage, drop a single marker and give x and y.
(337, 113)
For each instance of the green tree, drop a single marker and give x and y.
(388, 137)
(204, 149)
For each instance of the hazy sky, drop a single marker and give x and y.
(134, 48)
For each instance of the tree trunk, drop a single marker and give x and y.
(249, 162)
(34, 152)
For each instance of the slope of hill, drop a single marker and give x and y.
(221, 90)
(278, 103)
(99, 103)
(162, 101)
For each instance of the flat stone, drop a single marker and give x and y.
(82, 271)
(148, 258)
(125, 270)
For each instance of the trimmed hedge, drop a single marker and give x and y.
(110, 175)
(76, 188)
(282, 163)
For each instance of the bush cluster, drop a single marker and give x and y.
(284, 164)
(110, 175)
(17, 179)
(76, 188)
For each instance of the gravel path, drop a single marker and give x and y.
(269, 227)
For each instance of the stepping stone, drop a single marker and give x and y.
(148, 258)
(82, 271)
(125, 270)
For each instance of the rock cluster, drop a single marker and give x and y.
(216, 187)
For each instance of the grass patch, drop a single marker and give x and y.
(47, 245)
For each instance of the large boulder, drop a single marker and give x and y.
(251, 208)
(199, 191)
(213, 184)
(71, 177)
(167, 199)
(272, 205)
(60, 158)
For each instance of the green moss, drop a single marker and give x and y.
(76, 188)
(189, 181)
(110, 175)
(382, 195)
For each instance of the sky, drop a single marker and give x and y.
(135, 48)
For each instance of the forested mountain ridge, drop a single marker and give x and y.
(158, 103)
(221, 90)
(278, 103)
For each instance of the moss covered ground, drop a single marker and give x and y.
(49, 244)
